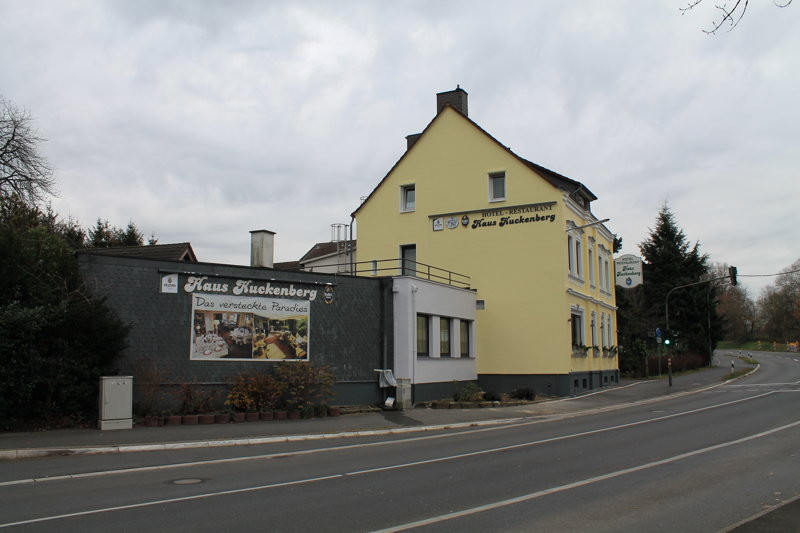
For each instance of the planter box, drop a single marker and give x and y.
(173, 420)
(252, 417)
(222, 418)
(238, 417)
(279, 415)
(267, 415)
(189, 420)
(294, 414)
(205, 419)
(334, 411)
(152, 421)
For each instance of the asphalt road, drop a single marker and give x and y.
(703, 462)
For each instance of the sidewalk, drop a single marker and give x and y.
(94, 441)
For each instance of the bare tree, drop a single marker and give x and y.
(730, 14)
(23, 170)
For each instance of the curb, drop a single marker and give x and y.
(30, 453)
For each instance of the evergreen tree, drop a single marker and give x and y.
(670, 261)
(104, 235)
(56, 339)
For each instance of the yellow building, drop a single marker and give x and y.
(539, 259)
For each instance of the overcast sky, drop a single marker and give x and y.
(201, 121)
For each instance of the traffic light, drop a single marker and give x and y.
(667, 337)
(732, 274)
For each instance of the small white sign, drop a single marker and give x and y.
(438, 224)
(169, 284)
(628, 271)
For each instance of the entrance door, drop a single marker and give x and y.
(408, 255)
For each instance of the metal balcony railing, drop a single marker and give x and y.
(407, 267)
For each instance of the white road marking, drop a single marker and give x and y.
(279, 455)
(581, 483)
(416, 463)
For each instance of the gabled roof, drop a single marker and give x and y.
(325, 249)
(554, 178)
(288, 265)
(181, 251)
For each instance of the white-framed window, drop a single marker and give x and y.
(497, 186)
(604, 270)
(423, 343)
(444, 337)
(408, 198)
(463, 334)
(610, 331)
(594, 328)
(600, 271)
(576, 328)
(575, 255)
(590, 262)
(570, 253)
(603, 330)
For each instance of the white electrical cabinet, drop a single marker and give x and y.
(116, 402)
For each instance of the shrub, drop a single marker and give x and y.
(492, 396)
(255, 391)
(523, 393)
(195, 400)
(305, 384)
(471, 392)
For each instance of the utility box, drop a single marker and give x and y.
(116, 402)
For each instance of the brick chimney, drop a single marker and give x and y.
(456, 99)
(262, 247)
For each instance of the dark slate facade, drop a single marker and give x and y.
(351, 335)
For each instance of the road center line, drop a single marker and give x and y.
(427, 521)
(581, 483)
(280, 455)
(427, 461)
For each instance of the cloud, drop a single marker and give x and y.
(203, 120)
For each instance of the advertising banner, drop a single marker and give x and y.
(230, 327)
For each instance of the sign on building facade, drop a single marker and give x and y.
(628, 271)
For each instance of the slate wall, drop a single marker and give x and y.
(351, 335)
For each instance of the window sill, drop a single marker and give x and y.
(576, 279)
